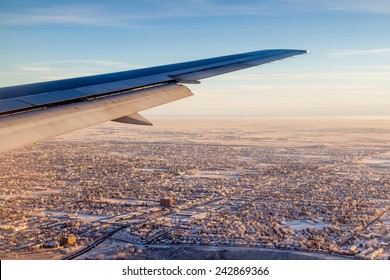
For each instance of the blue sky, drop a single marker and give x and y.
(346, 73)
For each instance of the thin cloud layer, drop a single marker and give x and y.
(131, 14)
(385, 52)
(60, 69)
(354, 6)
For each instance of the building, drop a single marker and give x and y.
(166, 202)
(68, 240)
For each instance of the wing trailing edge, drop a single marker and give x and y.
(23, 129)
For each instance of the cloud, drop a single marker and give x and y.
(133, 14)
(366, 52)
(71, 14)
(364, 6)
(83, 61)
(311, 89)
(61, 69)
(138, 13)
(355, 6)
(310, 76)
(48, 65)
(34, 69)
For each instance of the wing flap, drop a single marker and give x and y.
(49, 99)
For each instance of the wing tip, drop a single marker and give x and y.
(281, 51)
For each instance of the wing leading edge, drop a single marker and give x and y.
(34, 112)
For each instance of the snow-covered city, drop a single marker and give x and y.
(201, 189)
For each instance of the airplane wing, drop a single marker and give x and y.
(34, 112)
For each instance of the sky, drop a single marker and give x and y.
(345, 74)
